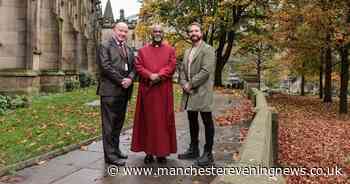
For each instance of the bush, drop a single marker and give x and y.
(4, 104)
(19, 102)
(14, 102)
(86, 80)
(70, 85)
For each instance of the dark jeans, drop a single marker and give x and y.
(113, 110)
(209, 128)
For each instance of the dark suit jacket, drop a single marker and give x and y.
(112, 69)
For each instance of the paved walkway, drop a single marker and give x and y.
(87, 166)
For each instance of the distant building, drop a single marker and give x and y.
(109, 20)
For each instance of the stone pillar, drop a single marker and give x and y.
(60, 42)
(83, 52)
(79, 51)
(91, 56)
(33, 35)
(52, 80)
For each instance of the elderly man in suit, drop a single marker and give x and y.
(197, 81)
(116, 67)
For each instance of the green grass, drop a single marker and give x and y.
(52, 122)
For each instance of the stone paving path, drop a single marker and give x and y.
(87, 166)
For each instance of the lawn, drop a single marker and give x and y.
(53, 121)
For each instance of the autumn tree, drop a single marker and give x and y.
(296, 39)
(256, 41)
(317, 28)
(343, 45)
(222, 22)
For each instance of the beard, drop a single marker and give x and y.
(195, 38)
(157, 39)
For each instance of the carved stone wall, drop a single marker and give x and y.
(44, 41)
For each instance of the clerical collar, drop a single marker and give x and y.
(157, 44)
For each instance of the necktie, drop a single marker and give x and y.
(124, 52)
(124, 55)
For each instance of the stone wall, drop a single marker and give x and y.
(12, 33)
(42, 42)
(258, 150)
(49, 40)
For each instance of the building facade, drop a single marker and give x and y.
(45, 42)
(109, 20)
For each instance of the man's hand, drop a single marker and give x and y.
(187, 88)
(154, 76)
(126, 82)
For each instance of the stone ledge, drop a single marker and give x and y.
(22, 82)
(18, 73)
(258, 148)
(71, 72)
(260, 99)
(51, 73)
(29, 82)
(20, 91)
(52, 88)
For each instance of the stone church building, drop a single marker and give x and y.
(109, 20)
(44, 42)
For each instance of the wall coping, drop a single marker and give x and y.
(51, 73)
(31, 73)
(257, 150)
(18, 73)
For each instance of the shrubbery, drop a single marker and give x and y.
(71, 84)
(13, 102)
(86, 80)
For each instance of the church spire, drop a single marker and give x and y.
(108, 14)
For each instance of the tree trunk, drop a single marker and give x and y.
(328, 73)
(343, 105)
(205, 36)
(258, 73)
(302, 85)
(218, 74)
(321, 76)
(223, 54)
(219, 59)
(212, 34)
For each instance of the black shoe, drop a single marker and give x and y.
(148, 159)
(121, 155)
(161, 160)
(191, 153)
(115, 162)
(206, 159)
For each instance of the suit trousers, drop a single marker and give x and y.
(113, 110)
